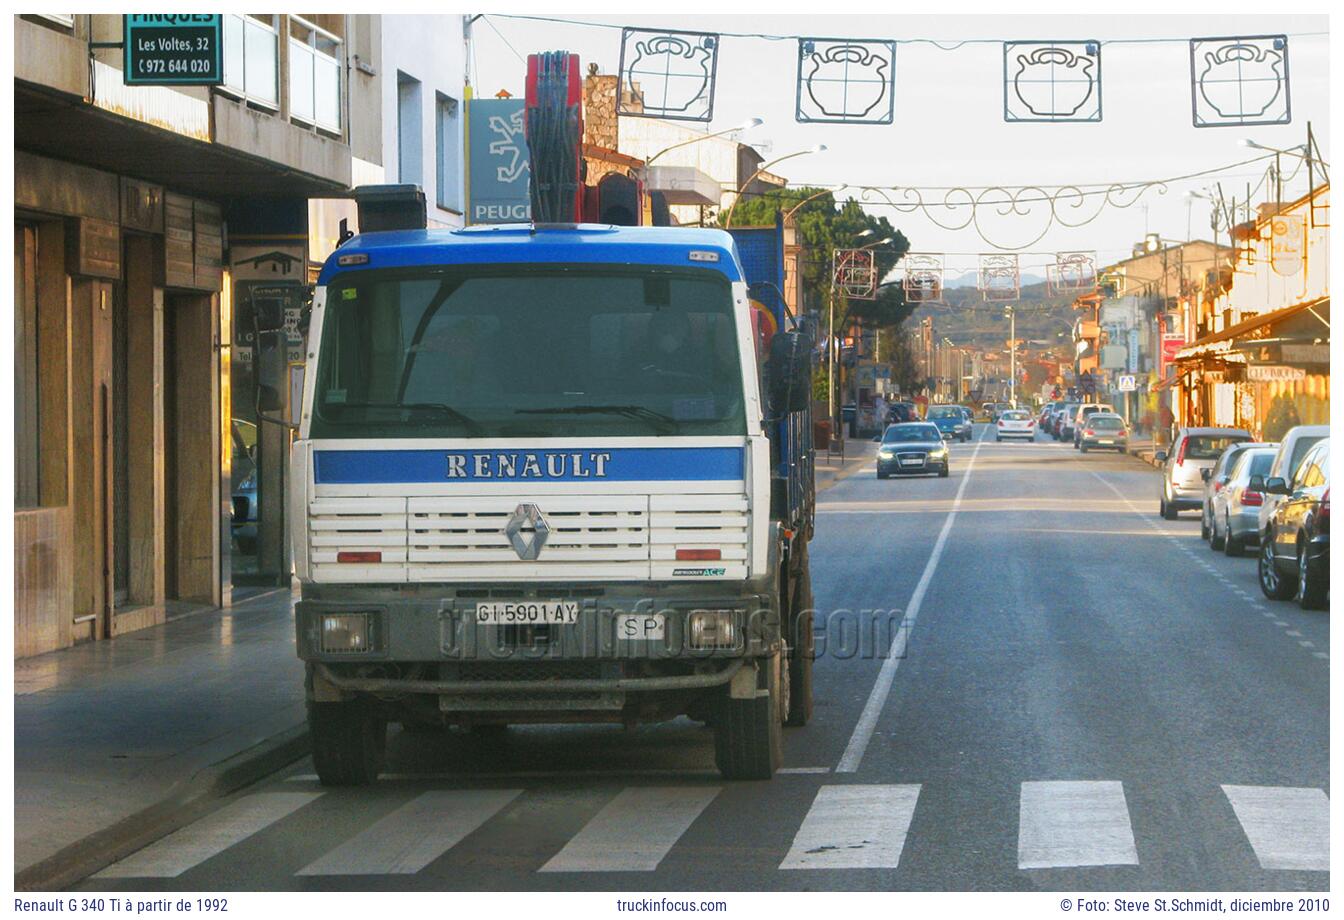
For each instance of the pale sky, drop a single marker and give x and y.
(949, 128)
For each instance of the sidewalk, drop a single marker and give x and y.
(830, 470)
(1143, 449)
(113, 740)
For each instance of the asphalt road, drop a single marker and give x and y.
(1081, 697)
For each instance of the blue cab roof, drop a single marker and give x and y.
(525, 244)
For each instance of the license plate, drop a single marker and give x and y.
(640, 626)
(912, 463)
(528, 612)
(1106, 441)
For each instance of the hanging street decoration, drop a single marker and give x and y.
(1288, 232)
(846, 81)
(923, 282)
(667, 74)
(1072, 273)
(1240, 81)
(999, 279)
(1052, 81)
(856, 273)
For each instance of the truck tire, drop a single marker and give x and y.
(748, 742)
(348, 742)
(802, 648)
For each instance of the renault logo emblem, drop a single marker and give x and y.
(527, 531)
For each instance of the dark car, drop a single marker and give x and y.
(951, 421)
(911, 448)
(1295, 544)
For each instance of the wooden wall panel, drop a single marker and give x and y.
(42, 580)
(195, 505)
(145, 437)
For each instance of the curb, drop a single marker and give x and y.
(186, 801)
(850, 468)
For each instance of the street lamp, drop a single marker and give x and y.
(1012, 355)
(788, 215)
(728, 222)
(744, 126)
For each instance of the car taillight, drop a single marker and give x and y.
(1180, 452)
(1249, 498)
(1217, 485)
(1089, 432)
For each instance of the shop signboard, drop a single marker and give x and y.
(177, 49)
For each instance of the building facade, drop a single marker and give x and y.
(146, 219)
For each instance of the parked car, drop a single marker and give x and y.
(1103, 431)
(244, 486)
(899, 412)
(1193, 450)
(1215, 478)
(1292, 449)
(912, 448)
(1295, 544)
(1015, 423)
(1081, 416)
(1235, 518)
(951, 421)
(1046, 414)
(1063, 427)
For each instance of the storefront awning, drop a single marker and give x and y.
(1221, 341)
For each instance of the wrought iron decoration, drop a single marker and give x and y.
(1240, 81)
(846, 81)
(667, 74)
(1052, 81)
(999, 278)
(923, 282)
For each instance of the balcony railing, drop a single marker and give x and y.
(314, 75)
(252, 59)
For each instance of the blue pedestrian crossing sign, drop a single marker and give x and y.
(1126, 383)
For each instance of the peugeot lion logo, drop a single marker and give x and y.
(527, 531)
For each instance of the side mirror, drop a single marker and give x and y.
(1160, 456)
(1276, 485)
(271, 369)
(1206, 474)
(1256, 483)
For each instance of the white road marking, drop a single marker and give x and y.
(803, 770)
(194, 844)
(877, 698)
(414, 835)
(1306, 643)
(1321, 654)
(1066, 823)
(854, 827)
(1289, 828)
(1293, 632)
(634, 831)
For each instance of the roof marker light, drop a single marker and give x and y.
(353, 258)
(702, 255)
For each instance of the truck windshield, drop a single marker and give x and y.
(528, 351)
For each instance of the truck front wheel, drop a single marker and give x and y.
(348, 742)
(748, 742)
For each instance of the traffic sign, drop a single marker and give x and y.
(182, 49)
(1126, 383)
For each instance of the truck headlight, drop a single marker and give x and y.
(712, 629)
(345, 632)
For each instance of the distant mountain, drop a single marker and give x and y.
(968, 319)
(970, 279)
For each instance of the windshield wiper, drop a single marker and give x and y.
(658, 419)
(437, 408)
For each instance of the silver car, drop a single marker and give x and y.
(1214, 480)
(1235, 516)
(1194, 450)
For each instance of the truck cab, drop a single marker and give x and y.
(537, 479)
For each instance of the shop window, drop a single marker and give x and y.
(448, 134)
(314, 75)
(66, 21)
(251, 58)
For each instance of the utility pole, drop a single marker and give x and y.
(1012, 356)
(830, 352)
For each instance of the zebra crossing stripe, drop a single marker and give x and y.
(1289, 828)
(194, 844)
(414, 835)
(1068, 824)
(634, 831)
(854, 827)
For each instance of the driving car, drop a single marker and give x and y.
(1235, 518)
(1081, 416)
(951, 421)
(1295, 544)
(1103, 431)
(1015, 423)
(1293, 448)
(1192, 451)
(912, 448)
(1215, 478)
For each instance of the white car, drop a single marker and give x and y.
(1015, 423)
(1292, 449)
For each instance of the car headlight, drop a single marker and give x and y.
(885, 454)
(938, 452)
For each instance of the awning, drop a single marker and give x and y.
(1204, 346)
